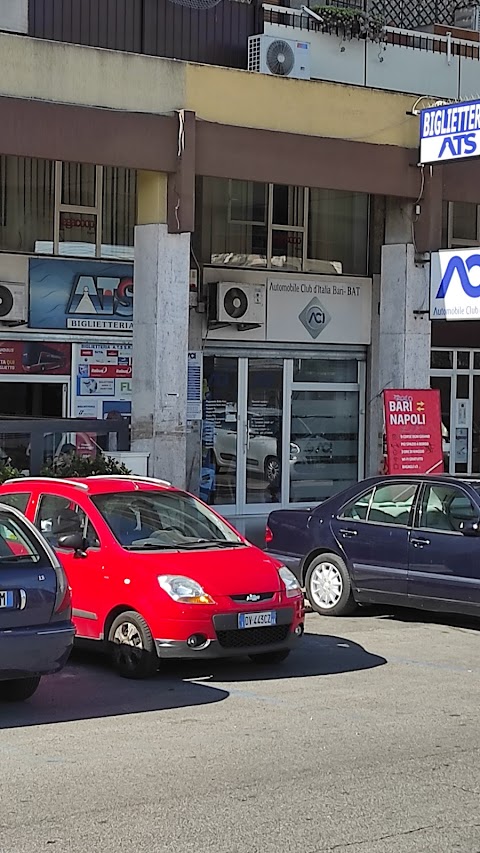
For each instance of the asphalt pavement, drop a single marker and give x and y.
(367, 740)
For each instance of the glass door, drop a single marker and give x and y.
(273, 435)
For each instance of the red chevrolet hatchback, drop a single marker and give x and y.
(155, 573)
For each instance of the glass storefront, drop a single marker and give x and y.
(280, 430)
(456, 374)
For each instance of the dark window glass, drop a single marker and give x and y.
(338, 232)
(27, 189)
(358, 508)
(19, 500)
(228, 236)
(445, 508)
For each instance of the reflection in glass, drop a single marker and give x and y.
(324, 444)
(288, 205)
(218, 477)
(338, 232)
(264, 430)
(27, 188)
(119, 200)
(79, 184)
(464, 221)
(287, 249)
(324, 370)
(463, 359)
(227, 238)
(77, 234)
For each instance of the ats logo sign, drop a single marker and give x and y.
(84, 295)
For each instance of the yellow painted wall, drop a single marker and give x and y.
(151, 197)
(314, 108)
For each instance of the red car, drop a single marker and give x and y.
(155, 573)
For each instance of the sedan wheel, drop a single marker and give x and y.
(133, 647)
(328, 586)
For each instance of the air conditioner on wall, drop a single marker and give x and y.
(240, 304)
(13, 303)
(279, 57)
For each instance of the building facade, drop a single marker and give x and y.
(235, 261)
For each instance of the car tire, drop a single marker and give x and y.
(328, 586)
(19, 689)
(132, 646)
(270, 657)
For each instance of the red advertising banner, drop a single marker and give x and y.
(34, 358)
(413, 426)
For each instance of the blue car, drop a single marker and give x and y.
(409, 541)
(36, 629)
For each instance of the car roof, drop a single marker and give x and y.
(95, 485)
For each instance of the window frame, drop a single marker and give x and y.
(413, 509)
(456, 487)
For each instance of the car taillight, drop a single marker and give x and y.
(268, 535)
(63, 599)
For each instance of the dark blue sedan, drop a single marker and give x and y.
(411, 541)
(36, 631)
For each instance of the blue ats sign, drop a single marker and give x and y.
(450, 132)
(455, 284)
(81, 295)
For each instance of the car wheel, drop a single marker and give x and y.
(133, 648)
(272, 470)
(270, 657)
(18, 689)
(328, 586)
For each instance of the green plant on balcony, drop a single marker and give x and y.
(353, 23)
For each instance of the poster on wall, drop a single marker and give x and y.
(81, 295)
(194, 386)
(34, 358)
(102, 386)
(413, 427)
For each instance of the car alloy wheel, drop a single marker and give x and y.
(133, 648)
(272, 469)
(326, 585)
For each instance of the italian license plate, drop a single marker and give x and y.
(6, 599)
(257, 620)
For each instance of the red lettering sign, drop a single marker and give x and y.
(413, 426)
(110, 371)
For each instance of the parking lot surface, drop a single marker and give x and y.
(367, 740)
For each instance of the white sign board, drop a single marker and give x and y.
(455, 284)
(323, 311)
(194, 386)
(450, 132)
(102, 386)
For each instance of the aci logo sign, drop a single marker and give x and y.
(450, 132)
(314, 317)
(455, 285)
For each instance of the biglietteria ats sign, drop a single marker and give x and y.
(450, 132)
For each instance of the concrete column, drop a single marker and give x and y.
(400, 352)
(160, 347)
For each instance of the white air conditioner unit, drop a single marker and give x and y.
(240, 303)
(13, 303)
(280, 57)
(467, 18)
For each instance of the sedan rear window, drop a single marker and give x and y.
(386, 504)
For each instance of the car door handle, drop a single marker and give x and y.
(348, 533)
(420, 543)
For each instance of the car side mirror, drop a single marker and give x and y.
(470, 528)
(73, 542)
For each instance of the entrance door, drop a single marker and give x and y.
(270, 438)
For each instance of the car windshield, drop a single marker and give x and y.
(158, 520)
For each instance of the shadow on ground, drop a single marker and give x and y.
(89, 689)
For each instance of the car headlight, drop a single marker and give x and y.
(292, 586)
(184, 590)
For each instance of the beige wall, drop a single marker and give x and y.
(53, 71)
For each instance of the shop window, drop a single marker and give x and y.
(338, 232)
(243, 223)
(69, 209)
(27, 196)
(324, 370)
(463, 224)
